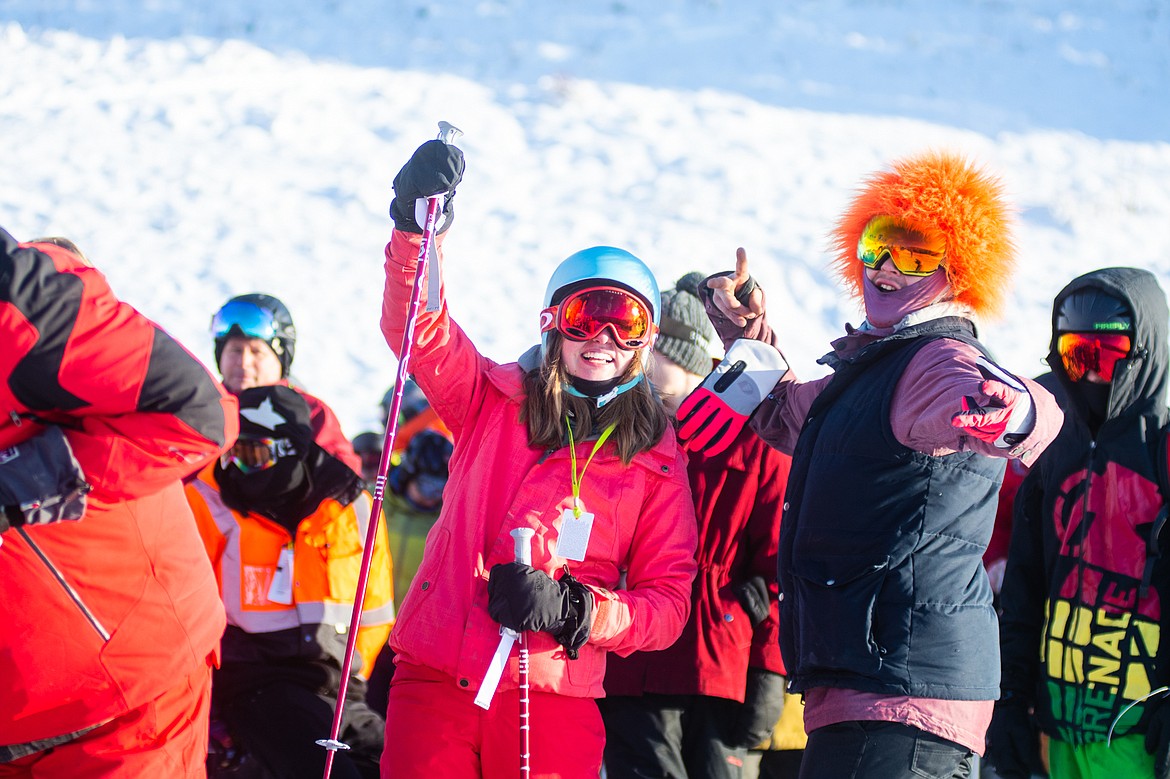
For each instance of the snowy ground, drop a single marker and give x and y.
(197, 151)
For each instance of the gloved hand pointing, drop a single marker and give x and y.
(1006, 417)
(434, 168)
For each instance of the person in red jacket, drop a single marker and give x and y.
(255, 340)
(569, 442)
(111, 617)
(695, 708)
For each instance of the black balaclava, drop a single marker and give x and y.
(274, 412)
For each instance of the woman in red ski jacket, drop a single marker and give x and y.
(571, 443)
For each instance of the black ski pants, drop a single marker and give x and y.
(279, 723)
(890, 750)
(670, 737)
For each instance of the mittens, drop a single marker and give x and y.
(435, 168)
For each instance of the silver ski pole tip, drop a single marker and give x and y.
(448, 132)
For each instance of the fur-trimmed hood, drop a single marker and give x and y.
(946, 193)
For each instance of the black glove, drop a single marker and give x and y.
(1013, 742)
(1158, 738)
(753, 595)
(763, 700)
(434, 168)
(523, 598)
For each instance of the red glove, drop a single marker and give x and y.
(1004, 419)
(714, 413)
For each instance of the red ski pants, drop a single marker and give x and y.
(164, 738)
(434, 729)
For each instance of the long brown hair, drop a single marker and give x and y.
(638, 416)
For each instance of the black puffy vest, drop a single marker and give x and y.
(880, 563)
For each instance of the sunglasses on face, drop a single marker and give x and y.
(243, 318)
(584, 314)
(252, 455)
(910, 251)
(1084, 352)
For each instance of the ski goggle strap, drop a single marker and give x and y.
(585, 313)
(1084, 352)
(240, 317)
(913, 251)
(252, 455)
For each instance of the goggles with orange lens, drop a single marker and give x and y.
(584, 314)
(912, 251)
(1084, 352)
(252, 455)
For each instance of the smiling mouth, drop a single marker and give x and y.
(597, 357)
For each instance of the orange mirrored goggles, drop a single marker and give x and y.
(1084, 352)
(251, 455)
(584, 314)
(912, 251)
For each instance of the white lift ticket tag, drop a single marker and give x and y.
(281, 589)
(574, 537)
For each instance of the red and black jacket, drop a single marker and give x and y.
(103, 614)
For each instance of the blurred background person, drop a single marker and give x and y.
(411, 505)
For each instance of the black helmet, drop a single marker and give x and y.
(256, 316)
(367, 443)
(1092, 310)
(414, 402)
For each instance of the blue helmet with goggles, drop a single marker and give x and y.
(256, 315)
(602, 266)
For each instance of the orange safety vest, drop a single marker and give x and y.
(246, 551)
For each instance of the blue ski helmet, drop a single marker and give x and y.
(602, 265)
(256, 315)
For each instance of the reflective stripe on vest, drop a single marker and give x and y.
(302, 613)
(231, 567)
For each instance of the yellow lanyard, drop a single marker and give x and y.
(577, 478)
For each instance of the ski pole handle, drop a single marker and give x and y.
(522, 548)
(522, 538)
(428, 258)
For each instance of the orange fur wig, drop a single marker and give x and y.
(945, 193)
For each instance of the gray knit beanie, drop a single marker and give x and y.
(686, 337)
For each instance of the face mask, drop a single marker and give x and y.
(886, 309)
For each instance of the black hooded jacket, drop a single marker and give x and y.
(1082, 595)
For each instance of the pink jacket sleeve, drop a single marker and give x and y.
(931, 392)
(443, 361)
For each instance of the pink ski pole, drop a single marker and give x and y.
(523, 550)
(447, 134)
